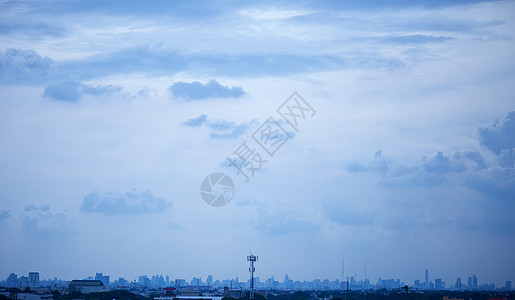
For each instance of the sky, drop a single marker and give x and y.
(401, 158)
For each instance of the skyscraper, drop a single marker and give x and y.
(11, 280)
(34, 279)
(469, 283)
(458, 283)
(438, 284)
(427, 280)
(474, 281)
(508, 286)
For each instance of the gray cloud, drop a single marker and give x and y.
(25, 66)
(443, 164)
(28, 67)
(467, 168)
(4, 214)
(432, 170)
(40, 220)
(230, 130)
(197, 90)
(196, 122)
(72, 91)
(31, 28)
(413, 39)
(405, 176)
(499, 135)
(496, 182)
(379, 164)
(221, 129)
(67, 91)
(160, 62)
(131, 202)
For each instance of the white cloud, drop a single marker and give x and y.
(131, 202)
(42, 221)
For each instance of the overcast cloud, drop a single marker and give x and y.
(112, 114)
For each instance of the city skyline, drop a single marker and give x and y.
(356, 283)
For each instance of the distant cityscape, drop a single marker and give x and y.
(144, 282)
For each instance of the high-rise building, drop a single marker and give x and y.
(12, 280)
(34, 279)
(469, 283)
(474, 281)
(101, 277)
(417, 283)
(144, 281)
(458, 283)
(508, 286)
(426, 283)
(105, 280)
(438, 284)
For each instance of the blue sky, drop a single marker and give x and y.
(111, 115)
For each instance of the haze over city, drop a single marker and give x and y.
(400, 153)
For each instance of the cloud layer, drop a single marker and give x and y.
(72, 91)
(197, 90)
(4, 214)
(25, 66)
(42, 221)
(131, 202)
(221, 129)
(500, 135)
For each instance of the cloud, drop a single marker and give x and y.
(196, 122)
(467, 168)
(67, 91)
(496, 182)
(4, 214)
(430, 171)
(499, 135)
(28, 67)
(221, 129)
(406, 176)
(40, 220)
(472, 156)
(99, 89)
(380, 164)
(157, 61)
(131, 202)
(413, 39)
(196, 90)
(30, 28)
(25, 66)
(72, 91)
(194, 9)
(443, 164)
(229, 130)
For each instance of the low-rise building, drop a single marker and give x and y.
(30, 296)
(86, 286)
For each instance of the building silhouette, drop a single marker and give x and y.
(33, 279)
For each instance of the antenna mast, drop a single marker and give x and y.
(252, 259)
